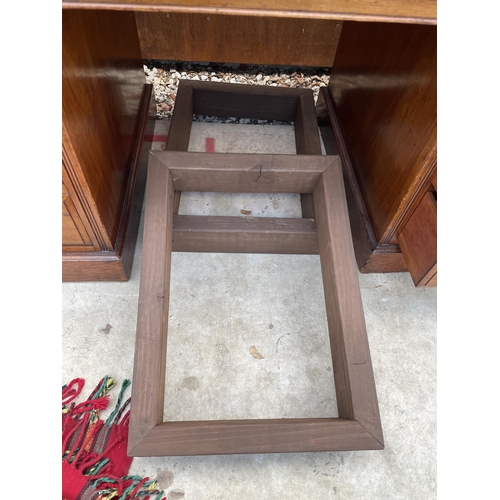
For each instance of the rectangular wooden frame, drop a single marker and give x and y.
(358, 426)
(226, 100)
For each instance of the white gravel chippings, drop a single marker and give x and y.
(165, 76)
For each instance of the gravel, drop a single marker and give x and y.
(165, 76)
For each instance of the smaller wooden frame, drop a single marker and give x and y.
(226, 100)
(358, 426)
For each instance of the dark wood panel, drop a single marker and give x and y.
(244, 235)
(152, 318)
(418, 240)
(243, 173)
(134, 192)
(179, 131)
(238, 39)
(245, 101)
(116, 265)
(416, 11)
(307, 141)
(306, 131)
(383, 85)
(256, 436)
(102, 82)
(370, 256)
(353, 372)
(362, 233)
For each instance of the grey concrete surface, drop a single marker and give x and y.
(248, 339)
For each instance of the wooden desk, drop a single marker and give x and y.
(379, 113)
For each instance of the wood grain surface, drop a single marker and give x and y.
(386, 259)
(152, 318)
(243, 172)
(255, 436)
(102, 83)
(434, 180)
(238, 39)
(92, 266)
(79, 191)
(358, 426)
(226, 100)
(179, 132)
(416, 11)
(370, 256)
(114, 265)
(353, 372)
(418, 240)
(307, 141)
(134, 194)
(383, 85)
(244, 235)
(74, 235)
(246, 101)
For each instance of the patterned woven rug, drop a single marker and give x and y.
(95, 464)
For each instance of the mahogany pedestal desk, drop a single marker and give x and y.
(378, 113)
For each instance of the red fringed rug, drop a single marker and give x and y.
(95, 464)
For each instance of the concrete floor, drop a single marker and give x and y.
(248, 338)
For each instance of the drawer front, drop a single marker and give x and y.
(418, 242)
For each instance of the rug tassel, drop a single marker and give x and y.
(103, 387)
(127, 488)
(118, 411)
(97, 401)
(69, 392)
(94, 451)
